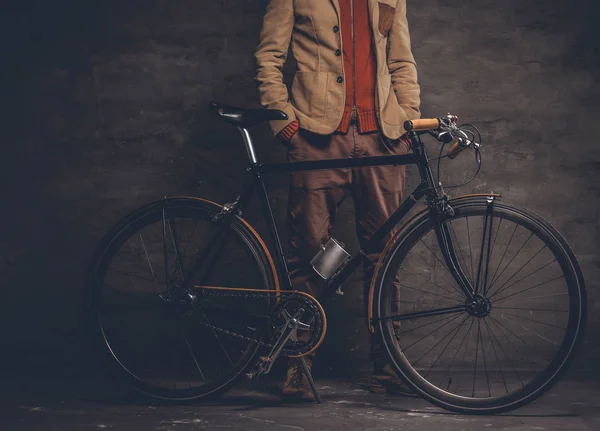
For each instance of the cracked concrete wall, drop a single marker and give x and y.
(105, 109)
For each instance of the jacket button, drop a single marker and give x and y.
(336, 29)
(340, 79)
(338, 52)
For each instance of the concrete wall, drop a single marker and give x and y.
(105, 109)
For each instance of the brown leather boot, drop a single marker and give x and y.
(385, 380)
(296, 385)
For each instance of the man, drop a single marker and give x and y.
(355, 85)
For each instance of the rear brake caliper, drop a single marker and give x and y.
(228, 209)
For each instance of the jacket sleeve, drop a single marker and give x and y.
(402, 65)
(270, 56)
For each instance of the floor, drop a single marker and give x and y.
(88, 404)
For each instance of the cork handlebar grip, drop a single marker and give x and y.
(455, 148)
(421, 124)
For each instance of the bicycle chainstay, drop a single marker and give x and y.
(281, 299)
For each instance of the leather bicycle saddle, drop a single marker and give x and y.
(246, 117)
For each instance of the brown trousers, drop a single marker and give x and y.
(315, 196)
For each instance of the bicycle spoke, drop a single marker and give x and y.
(515, 334)
(493, 244)
(135, 254)
(487, 377)
(435, 330)
(497, 232)
(131, 274)
(508, 264)
(457, 329)
(435, 345)
(521, 279)
(476, 355)
(164, 236)
(217, 337)
(138, 322)
(470, 249)
(216, 242)
(435, 284)
(530, 309)
(443, 264)
(503, 255)
(496, 355)
(453, 233)
(187, 343)
(149, 263)
(465, 352)
(533, 320)
(536, 297)
(176, 247)
(528, 330)
(500, 289)
(455, 354)
(427, 313)
(529, 288)
(189, 241)
(517, 350)
(422, 326)
(434, 255)
(500, 325)
(430, 293)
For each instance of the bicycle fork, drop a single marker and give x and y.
(442, 232)
(444, 237)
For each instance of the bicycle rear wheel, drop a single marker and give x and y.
(506, 347)
(170, 339)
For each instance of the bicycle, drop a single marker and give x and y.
(200, 312)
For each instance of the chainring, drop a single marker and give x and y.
(306, 310)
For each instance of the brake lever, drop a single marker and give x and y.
(445, 132)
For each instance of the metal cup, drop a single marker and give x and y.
(329, 258)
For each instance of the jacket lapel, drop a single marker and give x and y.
(372, 4)
(336, 5)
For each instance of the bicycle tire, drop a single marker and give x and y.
(397, 251)
(110, 247)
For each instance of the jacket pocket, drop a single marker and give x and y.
(309, 93)
(386, 18)
(391, 112)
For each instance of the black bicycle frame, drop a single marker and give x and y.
(425, 188)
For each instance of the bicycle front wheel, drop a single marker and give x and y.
(157, 303)
(507, 345)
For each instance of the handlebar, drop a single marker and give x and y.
(421, 124)
(445, 130)
(456, 147)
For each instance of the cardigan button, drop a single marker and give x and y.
(340, 79)
(338, 52)
(336, 29)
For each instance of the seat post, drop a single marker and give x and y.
(248, 144)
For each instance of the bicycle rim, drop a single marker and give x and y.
(509, 347)
(165, 339)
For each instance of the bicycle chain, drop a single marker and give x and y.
(206, 292)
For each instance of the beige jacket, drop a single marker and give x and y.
(318, 89)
